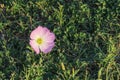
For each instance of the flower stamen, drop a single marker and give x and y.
(39, 41)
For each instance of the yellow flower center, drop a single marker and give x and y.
(39, 41)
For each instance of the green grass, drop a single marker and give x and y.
(87, 39)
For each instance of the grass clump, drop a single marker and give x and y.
(87, 39)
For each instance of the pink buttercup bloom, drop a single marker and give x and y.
(42, 40)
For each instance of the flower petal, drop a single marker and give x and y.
(36, 32)
(34, 45)
(49, 37)
(44, 31)
(47, 47)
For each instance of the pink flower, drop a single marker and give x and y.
(42, 40)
